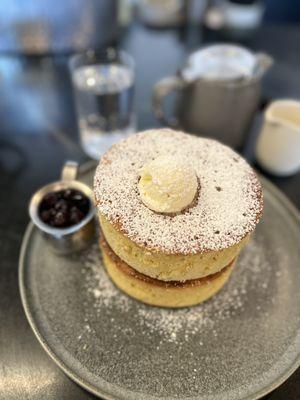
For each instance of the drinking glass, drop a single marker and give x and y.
(104, 95)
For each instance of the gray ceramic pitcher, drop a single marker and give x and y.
(220, 88)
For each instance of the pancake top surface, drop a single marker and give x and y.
(228, 204)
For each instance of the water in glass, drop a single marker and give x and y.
(104, 97)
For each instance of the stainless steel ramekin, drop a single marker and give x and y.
(76, 237)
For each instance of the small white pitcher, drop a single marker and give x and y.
(278, 146)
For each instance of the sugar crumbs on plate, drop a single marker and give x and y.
(178, 325)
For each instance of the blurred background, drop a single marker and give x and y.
(38, 121)
(46, 96)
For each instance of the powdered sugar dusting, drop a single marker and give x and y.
(180, 325)
(228, 206)
(99, 285)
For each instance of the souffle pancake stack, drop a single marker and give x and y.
(175, 211)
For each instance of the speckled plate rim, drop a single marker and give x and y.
(102, 393)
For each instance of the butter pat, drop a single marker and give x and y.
(167, 184)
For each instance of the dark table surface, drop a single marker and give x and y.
(38, 133)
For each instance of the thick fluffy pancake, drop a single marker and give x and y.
(168, 267)
(227, 207)
(160, 293)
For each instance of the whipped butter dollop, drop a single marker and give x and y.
(167, 184)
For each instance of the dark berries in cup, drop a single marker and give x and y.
(64, 208)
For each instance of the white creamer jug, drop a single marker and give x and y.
(278, 146)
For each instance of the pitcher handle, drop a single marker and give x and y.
(69, 171)
(161, 90)
(263, 63)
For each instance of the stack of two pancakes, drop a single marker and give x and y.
(180, 259)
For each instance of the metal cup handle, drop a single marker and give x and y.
(70, 171)
(263, 63)
(161, 90)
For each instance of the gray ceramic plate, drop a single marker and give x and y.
(241, 344)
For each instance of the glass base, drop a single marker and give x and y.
(95, 143)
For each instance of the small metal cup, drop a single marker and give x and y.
(73, 238)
